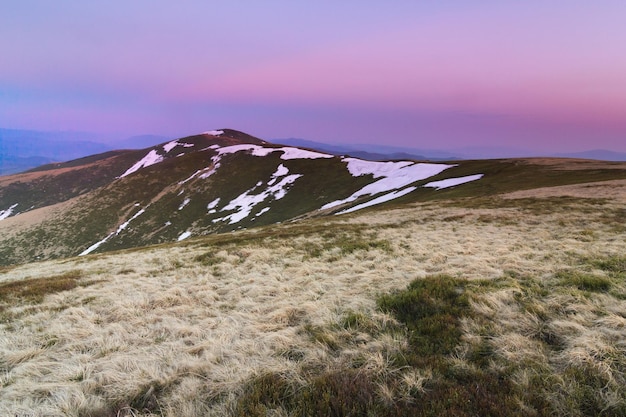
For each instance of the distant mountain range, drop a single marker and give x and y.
(599, 154)
(21, 150)
(383, 152)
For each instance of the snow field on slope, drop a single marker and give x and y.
(153, 157)
(150, 159)
(288, 152)
(393, 176)
(171, 145)
(245, 202)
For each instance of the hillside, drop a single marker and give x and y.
(511, 304)
(210, 183)
(226, 180)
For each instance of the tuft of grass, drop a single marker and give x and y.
(613, 264)
(34, 290)
(321, 335)
(344, 242)
(209, 259)
(584, 281)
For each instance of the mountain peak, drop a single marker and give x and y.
(226, 137)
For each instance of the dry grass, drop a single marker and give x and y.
(196, 329)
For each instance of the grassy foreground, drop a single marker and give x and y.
(491, 307)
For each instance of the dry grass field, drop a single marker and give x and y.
(499, 306)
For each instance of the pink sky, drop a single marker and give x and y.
(545, 76)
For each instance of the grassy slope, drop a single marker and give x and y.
(156, 189)
(523, 313)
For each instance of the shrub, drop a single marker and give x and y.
(430, 308)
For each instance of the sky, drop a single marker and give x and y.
(548, 76)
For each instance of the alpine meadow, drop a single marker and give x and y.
(223, 275)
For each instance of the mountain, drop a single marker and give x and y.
(21, 150)
(470, 300)
(25, 149)
(224, 180)
(10, 164)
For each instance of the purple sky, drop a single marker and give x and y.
(538, 75)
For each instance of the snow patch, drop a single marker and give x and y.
(358, 167)
(171, 145)
(203, 173)
(263, 210)
(288, 152)
(207, 172)
(451, 182)
(296, 153)
(183, 236)
(378, 200)
(184, 203)
(125, 224)
(246, 201)
(94, 246)
(214, 132)
(281, 171)
(393, 176)
(211, 206)
(150, 159)
(191, 177)
(6, 213)
(213, 203)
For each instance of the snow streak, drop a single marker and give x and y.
(451, 182)
(378, 200)
(150, 159)
(117, 232)
(6, 213)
